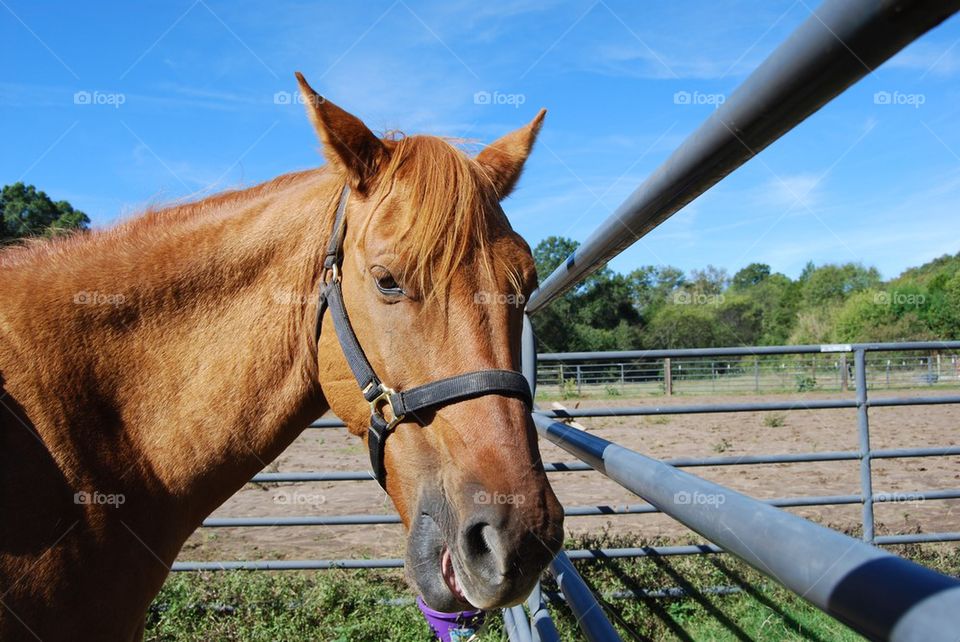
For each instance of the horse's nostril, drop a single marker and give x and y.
(475, 540)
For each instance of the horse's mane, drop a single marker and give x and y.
(144, 224)
(448, 224)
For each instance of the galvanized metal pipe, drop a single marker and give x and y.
(528, 354)
(300, 520)
(579, 554)
(542, 627)
(306, 565)
(917, 538)
(714, 408)
(516, 625)
(318, 476)
(509, 625)
(880, 595)
(327, 423)
(581, 511)
(590, 616)
(863, 435)
(287, 565)
(521, 624)
(680, 462)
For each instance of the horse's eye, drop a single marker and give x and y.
(387, 284)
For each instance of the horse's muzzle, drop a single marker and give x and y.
(489, 559)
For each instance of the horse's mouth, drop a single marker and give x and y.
(431, 566)
(449, 574)
(457, 568)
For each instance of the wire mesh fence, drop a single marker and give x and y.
(757, 374)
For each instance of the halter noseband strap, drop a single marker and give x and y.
(405, 402)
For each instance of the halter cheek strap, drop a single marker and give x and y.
(380, 397)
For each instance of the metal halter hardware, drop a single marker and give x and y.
(380, 396)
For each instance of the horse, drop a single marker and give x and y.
(147, 371)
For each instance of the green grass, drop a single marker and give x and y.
(267, 606)
(249, 606)
(774, 420)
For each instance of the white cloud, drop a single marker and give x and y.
(791, 191)
(939, 59)
(634, 60)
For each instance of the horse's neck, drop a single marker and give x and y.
(196, 362)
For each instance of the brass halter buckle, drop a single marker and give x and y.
(381, 402)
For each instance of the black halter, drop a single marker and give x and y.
(380, 396)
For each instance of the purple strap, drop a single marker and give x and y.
(452, 627)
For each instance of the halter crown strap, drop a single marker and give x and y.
(401, 403)
(335, 244)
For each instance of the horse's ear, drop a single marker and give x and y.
(347, 143)
(503, 159)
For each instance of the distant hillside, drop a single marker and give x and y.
(945, 267)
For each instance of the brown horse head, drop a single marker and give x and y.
(434, 281)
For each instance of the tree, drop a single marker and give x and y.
(26, 211)
(942, 311)
(814, 326)
(779, 299)
(554, 250)
(752, 275)
(742, 318)
(551, 252)
(598, 314)
(883, 315)
(652, 286)
(832, 284)
(553, 325)
(940, 279)
(808, 269)
(708, 282)
(685, 326)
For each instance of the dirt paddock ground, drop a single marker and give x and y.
(665, 436)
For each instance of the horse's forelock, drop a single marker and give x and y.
(453, 218)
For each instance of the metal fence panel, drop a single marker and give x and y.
(877, 594)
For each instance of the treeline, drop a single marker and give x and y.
(26, 211)
(661, 307)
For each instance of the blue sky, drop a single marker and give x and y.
(185, 97)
